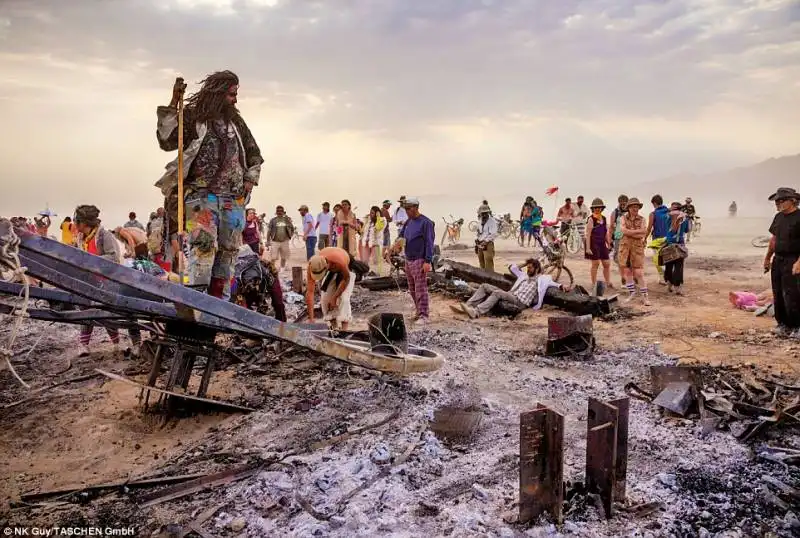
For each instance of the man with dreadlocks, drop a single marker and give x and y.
(222, 163)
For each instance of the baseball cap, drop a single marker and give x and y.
(319, 267)
(386, 202)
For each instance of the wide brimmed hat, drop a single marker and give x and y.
(402, 199)
(484, 209)
(634, 201)
(784, 193)
(319, 267)
(597, 202)
(411, 201)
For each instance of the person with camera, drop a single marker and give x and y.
(487, 233)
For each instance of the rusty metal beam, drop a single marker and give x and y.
(621, 468)
(228, 312)
(601, 452)
(541, 464)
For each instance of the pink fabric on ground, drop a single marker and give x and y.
(742, 299)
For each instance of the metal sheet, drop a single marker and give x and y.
(601, 452)
(541, 464)
(229, 312)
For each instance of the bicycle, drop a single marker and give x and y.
(697, 225)
(762, 241)
(506, 227)
(554, 253)
(452, 231)
(571, 239)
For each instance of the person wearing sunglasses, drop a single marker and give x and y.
(783, 262)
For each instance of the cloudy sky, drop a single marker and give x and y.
(449, 99)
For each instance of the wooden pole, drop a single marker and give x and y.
(180, 186)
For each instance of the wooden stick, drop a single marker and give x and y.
(180, 187)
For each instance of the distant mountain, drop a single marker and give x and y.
(749, 186)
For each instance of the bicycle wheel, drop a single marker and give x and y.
(473, 226)
(573, 242)
(560, 273)
(762, 241)
(445, 235)
(505, 231)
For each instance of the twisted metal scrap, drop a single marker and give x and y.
(9, 258)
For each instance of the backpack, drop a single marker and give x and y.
(155, 241)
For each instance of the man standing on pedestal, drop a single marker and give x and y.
(222, 163)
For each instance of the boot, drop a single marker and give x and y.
(217, 287)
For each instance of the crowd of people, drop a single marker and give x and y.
(224, 237)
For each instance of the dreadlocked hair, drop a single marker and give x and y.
(210, 102)
(87, 214)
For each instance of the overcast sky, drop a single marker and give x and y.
(367, 99)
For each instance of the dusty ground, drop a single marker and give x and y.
(93, 431)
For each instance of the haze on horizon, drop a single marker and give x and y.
(454, 100)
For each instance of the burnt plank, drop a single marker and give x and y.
(621, 467)
(541, 464)
(297, 279)
(601, 452)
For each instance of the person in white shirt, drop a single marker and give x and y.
(400, 216)
(581, 216)
(487, 233)
(309, 231)
(527, 292)
(324, 226)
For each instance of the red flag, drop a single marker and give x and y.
(551, 191)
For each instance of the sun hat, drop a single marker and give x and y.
(412, 201)
(597, 202)
(784, 193)
(319, 267)
(635, 201)
(484, 209)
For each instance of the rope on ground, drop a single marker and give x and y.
(9, 258)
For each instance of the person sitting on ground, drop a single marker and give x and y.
(330, 268)
(135, 241)
(527, 292)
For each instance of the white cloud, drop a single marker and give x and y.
(423, 90)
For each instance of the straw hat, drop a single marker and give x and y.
(318, 266)
(635, 201)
